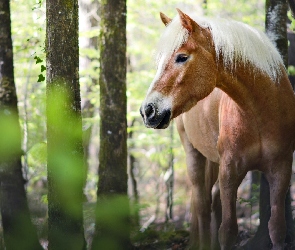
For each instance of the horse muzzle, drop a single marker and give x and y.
(153, 118)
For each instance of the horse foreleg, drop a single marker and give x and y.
(212, 187)
(200, 202)
(279, 179)
(229, 180)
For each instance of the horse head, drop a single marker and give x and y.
(186, 73)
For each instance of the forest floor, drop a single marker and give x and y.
(157, 236)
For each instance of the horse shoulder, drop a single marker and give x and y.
(239, 137)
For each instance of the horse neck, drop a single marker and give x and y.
(254, 91)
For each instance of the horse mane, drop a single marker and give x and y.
(235, 41)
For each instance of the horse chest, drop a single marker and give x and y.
(201, 125)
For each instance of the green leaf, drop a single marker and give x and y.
(38, 59)
(41, 78)
(43, 68)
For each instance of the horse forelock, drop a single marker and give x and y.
(235, 41)
(171, 40)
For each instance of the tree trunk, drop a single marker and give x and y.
(276, 29)
(64, 127)
(112, 185)
(291, 55)
(275, 26)
(19, 231)
(292, 7)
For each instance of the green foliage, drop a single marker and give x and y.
(38, 59)
(248, 202)
(28, 31)
(252, 201)
(37, 161)
(291, 70)
(251, 12)
(41, 78)
(291, 18)
(65, 153)
(112, 222)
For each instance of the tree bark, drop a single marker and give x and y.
(112, 185)
(292, 7)
(276, 24)
(65, 168)
(276, 29)
(19, 231)
(113, 100)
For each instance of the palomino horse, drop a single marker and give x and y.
(248, 124)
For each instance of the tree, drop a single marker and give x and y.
(275, 26)
(113, 232)
(16, 222)
(292, 6)
(291, 47)
(64, 127)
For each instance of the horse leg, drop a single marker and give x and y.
(200, 201)
(216, 214)
(229, 180)
(212, 187)
(201, 196)
(279, 179)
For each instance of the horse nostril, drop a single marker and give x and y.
(149, 111)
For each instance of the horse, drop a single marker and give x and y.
(247, 125)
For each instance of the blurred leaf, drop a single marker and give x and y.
(41, 78)
(38, 59)
(43, 68)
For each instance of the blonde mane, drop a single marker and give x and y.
(235, 41)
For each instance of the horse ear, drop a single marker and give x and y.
(186, 21)
(166, 20)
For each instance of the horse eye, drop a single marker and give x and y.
(181, 58)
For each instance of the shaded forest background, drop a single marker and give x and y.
(156, 162)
